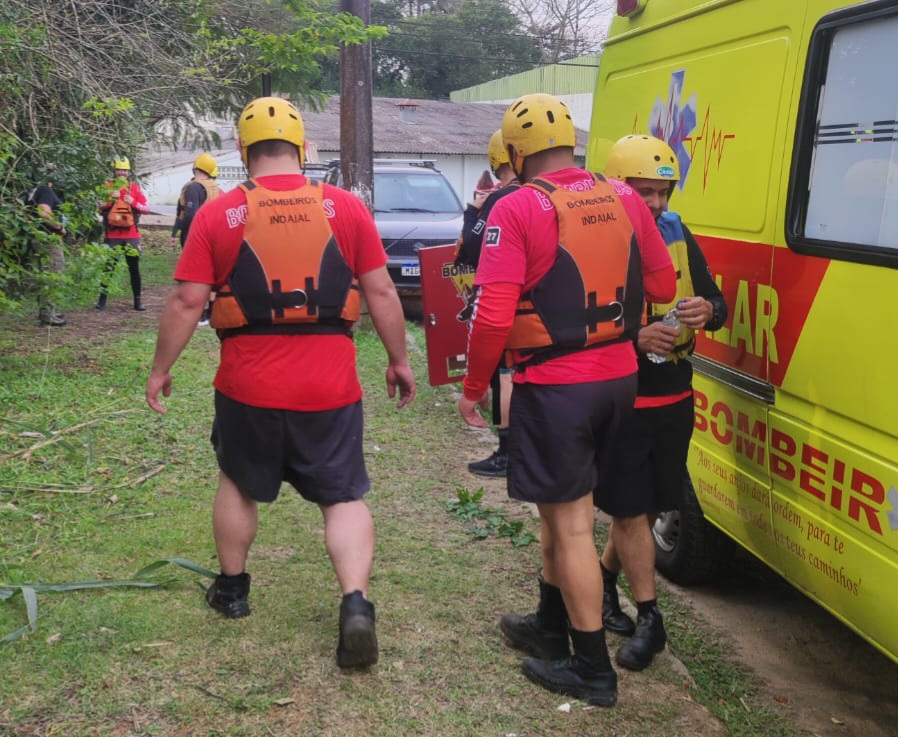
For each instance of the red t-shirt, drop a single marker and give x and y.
(520, 245)
(306, 373)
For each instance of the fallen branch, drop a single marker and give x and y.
(49, 489)
(57, 437)
(122, 518)
(148, 475)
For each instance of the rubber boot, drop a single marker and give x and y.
(613, 617)
(543, 633)
(229, 595)
(649, 639)
(586, 675)
(357, 647)
(138, 305)
(101, 302)
(49, 315)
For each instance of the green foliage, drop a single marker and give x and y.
(86, 81)
(468, 507)
(436, 52)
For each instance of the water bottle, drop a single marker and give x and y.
(671, 321)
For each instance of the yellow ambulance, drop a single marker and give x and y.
(784, 117)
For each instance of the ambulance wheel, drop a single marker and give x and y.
(688, 548)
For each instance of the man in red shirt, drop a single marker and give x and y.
(288, 258)
(121, 232)
(566, 310)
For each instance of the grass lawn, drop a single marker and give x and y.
(94, 487)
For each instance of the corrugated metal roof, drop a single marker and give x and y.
(440, 127)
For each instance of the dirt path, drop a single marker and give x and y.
(91, 324)
(834, 683)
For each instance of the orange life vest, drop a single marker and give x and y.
(593, 293)
(290, 275)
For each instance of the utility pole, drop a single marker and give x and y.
(356, 125)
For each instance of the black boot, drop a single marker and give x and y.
(229, 595)
(613, 617)
(138, 305)
(586, 675)
(358, 639)
(649, 639)
(543, 633)
(101, 302)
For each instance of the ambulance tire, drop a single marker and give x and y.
(688, 548)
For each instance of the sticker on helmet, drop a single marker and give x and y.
(665, 172)
(492, 236)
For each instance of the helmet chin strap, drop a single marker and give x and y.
(515, 159)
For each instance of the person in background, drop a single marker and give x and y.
(291, 259)
(122, 204)
(48, 247)
(201, 188)
(468, 254)
(648, 469)
(566, 261)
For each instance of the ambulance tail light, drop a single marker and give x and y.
(629, 8)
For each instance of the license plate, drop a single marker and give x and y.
(410, 270)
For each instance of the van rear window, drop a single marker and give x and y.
(844, 184)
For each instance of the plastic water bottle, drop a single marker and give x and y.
(671, 321)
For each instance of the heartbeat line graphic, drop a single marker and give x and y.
(674, 121)
(714, 144)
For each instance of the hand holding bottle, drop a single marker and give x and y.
(657, 339)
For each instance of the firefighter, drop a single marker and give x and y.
(649, 468)
(201, 188)
(290, 259)
(121, 207)
(475, 218)
(564, 309)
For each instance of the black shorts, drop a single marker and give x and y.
(648, 470)
(319, 453)
(560, 436)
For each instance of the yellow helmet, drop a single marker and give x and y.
(535, 123)
(642, 156)
(206, 162)
(122, 163)
(271, 119)
(496, 151)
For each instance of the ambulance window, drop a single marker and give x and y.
(844, 188)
